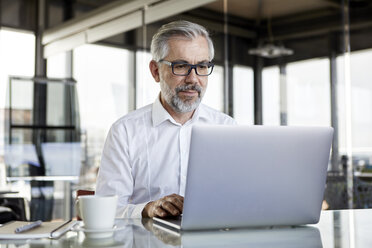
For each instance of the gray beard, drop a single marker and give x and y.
(175, 102)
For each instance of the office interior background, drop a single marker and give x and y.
(69, 69)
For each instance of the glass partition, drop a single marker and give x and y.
(214, 94)
(361, 93)
(17, 57)
(308, 93)
(105, 78)
(273, 103)
(146, 88)
(29, 137)
(243, 95)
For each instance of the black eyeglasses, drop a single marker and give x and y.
(184, 69)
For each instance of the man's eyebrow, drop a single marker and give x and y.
(203, 61)
(187, 62)
(180, 61)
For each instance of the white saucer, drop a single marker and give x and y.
(97, 233)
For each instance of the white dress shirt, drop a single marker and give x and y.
(145, 156)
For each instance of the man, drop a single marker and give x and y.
(145, 157)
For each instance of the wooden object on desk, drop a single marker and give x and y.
(80, 192)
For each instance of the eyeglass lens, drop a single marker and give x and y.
(201, 69)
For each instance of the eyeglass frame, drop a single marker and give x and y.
(192, 66)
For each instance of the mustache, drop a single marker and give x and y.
(189, 87)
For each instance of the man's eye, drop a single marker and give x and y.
(180, 66)
(203, 66)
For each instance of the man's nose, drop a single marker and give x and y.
(192, 77)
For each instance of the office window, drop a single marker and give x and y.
(271, 96)
(56, 66)
(104, 77)
(361, 103)
(60, 96)
(147, 88)
(214, 94)
(243, 94)
(308, 93)
(17, 58)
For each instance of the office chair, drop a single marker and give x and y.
(12, 208)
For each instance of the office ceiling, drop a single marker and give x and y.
(315, 25)
(254, 9)
(250, 9)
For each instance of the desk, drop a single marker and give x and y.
(5, 192)
(345, 228)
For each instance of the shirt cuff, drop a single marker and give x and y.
(137, 211)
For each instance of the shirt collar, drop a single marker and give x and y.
(159, 114)
(201, 112)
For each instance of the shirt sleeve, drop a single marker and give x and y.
(228, 120)
(115, 173)
(232, 122)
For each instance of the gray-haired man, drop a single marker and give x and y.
(145, 157)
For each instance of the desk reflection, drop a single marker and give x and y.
(152, 236)
(345, 228)
(143, 234)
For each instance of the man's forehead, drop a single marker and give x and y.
(181, 37)
(195, 49)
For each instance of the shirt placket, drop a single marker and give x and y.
(183, 159)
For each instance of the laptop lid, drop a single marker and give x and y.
(241, 176)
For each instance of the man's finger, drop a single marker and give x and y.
(178, 204)
(159, 212)
(170, 208)
(176, 196)
(171, 198)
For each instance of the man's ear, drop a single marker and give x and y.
(154, 68)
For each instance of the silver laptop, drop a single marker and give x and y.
(249, 176)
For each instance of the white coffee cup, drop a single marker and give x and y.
(98, 212)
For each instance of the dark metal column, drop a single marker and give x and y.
(69, 92)
(39, 108)
(348, 102)
(228, 83)
(230, 89)
(258, 66)
(133, 104)
(68, 13)
(70, 107)
(283, 95)
(41, 205)
(335, 165)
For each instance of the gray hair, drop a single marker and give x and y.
(159, 43)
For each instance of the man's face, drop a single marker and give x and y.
(184, 93)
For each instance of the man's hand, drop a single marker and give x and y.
(163, 236)
(171, 205)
